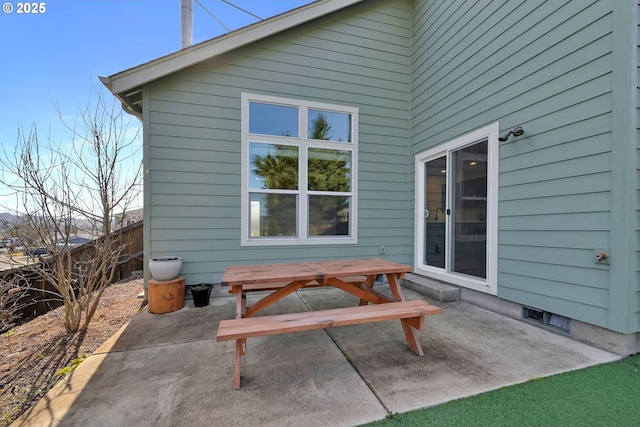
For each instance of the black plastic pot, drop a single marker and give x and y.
(201, 294)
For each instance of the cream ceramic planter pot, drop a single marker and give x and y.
(165, 267)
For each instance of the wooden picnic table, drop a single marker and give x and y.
(355, 277)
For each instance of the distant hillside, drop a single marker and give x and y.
(7, 217)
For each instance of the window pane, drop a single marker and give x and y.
(329, 215)
(329, 170)
(329, 126)
(273, 166)
(272, 214)
(273, 119)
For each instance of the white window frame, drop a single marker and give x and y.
(303, 142)
(488, 285)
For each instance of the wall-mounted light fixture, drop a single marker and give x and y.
(515, 132)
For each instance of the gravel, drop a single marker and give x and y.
(38, 354)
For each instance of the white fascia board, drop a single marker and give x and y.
(184, 58)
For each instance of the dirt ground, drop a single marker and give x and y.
(36, 355)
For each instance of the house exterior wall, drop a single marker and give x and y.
(635, 246)
(357, 57)
(569, 185)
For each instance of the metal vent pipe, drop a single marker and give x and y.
(186, 23)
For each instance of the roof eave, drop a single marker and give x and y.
(131, 102)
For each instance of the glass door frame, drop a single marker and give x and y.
(491, 134)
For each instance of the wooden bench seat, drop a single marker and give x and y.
(249, 327)
(411, 314)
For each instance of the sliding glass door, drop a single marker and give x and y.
(454, 210)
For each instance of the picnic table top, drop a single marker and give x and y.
(313, 270)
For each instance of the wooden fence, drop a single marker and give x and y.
(43, 294)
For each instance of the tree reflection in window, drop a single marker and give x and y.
(277, 214)
(328, 172)
(275, 167)
(329, 126)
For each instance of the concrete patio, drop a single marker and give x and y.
(168, 369)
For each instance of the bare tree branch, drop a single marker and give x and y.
(79, 184)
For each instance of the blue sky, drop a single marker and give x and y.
(58, 55)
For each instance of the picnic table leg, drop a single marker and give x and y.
(241, 344)
(410, 332)
(241, 304)
(240, 349)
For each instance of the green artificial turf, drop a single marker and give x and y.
(603, 395)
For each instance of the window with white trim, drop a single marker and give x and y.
(299, 172)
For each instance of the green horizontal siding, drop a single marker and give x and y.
(584, 221)
(593, 281)
(562, 239)
(580, 184)
(514, 66)
(547, 66)
(561, 204)
(356, 57)
(635, 279)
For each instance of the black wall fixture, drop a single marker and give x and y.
(515, 132)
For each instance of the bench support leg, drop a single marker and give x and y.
(240, 349)
(412, 337)
(410, 333)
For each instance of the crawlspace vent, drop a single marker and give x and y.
(545, 318)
